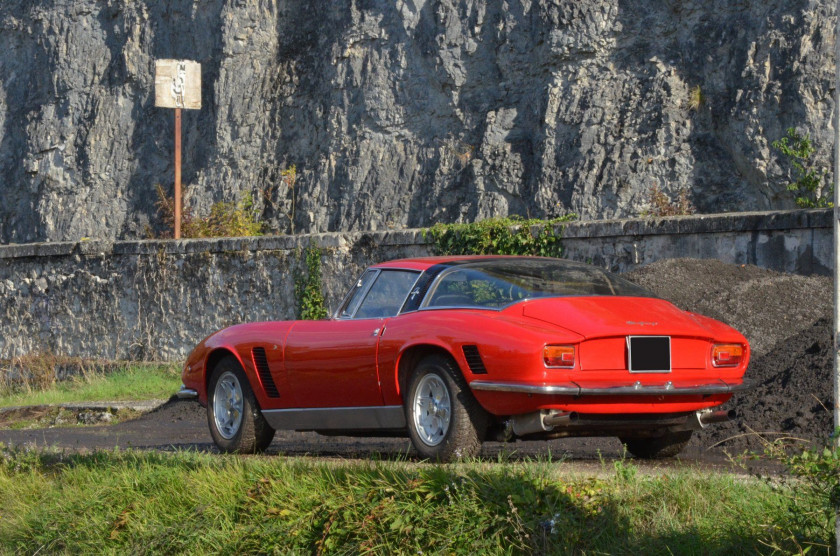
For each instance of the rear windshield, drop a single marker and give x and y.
(500, 282)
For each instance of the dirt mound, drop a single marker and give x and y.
(788, 321)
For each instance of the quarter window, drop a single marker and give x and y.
(387, 294)
(354, 298)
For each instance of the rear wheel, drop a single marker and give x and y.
(445, 421)
(236, 422)
(666, 446)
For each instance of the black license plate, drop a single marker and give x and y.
(649, 354)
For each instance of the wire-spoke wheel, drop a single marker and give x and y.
(236, 422)
(445, 421)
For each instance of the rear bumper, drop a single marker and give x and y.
(186, 393)
(635, 389)
(547, 423)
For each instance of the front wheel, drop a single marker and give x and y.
(236, 422)
(445, 421)
(666, 446)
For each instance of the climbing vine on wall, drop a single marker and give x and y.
(500, 236)
(308, 287)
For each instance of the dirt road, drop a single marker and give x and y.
(182, 425)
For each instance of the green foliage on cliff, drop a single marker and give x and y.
(811, 187)
(226, 219)
(501, 236)
(660, 204)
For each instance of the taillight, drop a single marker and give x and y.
(559, 357)
(727, 355)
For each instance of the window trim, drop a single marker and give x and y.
(367, 289)
(349, 296)
(430, 292)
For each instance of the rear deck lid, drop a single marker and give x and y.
(605, 316)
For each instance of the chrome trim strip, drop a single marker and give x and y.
(636, 389)
(186, 393)
(548, 389)
(471, 307)
(430, 291)
(337, 418)
(411, 289)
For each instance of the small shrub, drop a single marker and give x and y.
(813, 498)
(32, 372)
(696, 98)
(812, 187)
(308, 288)
(625, 471)
(289, 177)
(661, 204)
(40, 371)
(463, 152)
(499, 236)
(226, 219)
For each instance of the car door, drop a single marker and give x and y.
(333, 363)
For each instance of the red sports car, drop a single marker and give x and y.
(455, 350)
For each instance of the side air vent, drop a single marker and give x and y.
(474, 360)
(261, 362)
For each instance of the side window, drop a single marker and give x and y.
(469, 288)
(354, 297)
(387, 294)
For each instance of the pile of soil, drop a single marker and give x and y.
(788, 321)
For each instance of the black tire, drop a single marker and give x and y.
(434, 436)
(248, 433)
(666, 446)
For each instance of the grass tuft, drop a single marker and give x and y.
(114, 382)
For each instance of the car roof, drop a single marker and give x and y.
(422, 263)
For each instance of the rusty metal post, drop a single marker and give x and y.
(178, 86)
(177, 173)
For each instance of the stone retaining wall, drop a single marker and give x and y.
(156, 299)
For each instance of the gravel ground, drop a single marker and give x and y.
(787, 319)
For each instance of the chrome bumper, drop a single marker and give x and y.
(635, 389)
(186, 393)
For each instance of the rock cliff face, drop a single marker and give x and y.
(402, 113)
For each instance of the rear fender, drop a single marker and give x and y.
(412, 355)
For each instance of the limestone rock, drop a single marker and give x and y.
(402, 113)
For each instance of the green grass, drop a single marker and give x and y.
(130, 382)
(128, 502)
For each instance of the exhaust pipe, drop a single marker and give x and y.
(561, 419)
(540, 421)
(702, 419)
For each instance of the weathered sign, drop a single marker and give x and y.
(178, 84)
